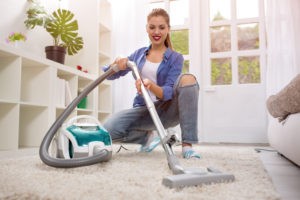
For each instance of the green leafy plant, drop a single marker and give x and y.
(14, 37)
(61, 25)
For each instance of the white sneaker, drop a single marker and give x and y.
(152, 143)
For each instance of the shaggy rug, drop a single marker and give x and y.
(133, 175)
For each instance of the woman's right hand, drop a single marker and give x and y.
(121, 63)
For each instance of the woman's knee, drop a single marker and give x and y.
(187, 79)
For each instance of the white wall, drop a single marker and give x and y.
(129, 33)
(86, 13)
(13, 14)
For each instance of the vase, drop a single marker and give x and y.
(56, 53)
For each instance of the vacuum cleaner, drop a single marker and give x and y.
(60, 159)
(82, 136)
(182, 176)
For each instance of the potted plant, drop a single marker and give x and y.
(60, 25)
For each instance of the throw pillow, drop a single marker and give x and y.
(286, 101)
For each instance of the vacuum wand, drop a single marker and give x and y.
(183, 177)
(172, 160)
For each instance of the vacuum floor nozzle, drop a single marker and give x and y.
(184, 180)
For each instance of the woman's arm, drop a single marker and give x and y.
(121, 63)
(152, 87)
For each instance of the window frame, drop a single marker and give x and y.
(234, 53)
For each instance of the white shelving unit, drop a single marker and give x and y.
(28, 82)
(28, 95)
(104, 90)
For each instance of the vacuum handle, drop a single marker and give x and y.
(76, 119)
(151, 108)
(145, 92)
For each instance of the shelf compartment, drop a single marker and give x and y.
(103, 116)
(104, 56)
(24, 103)
(71, 85)
(104, 59)
(9, 115)
(10, 76)
(105, 44)
(105, 97)
(35, 82)
(105, 15)
(104, 28)
(84, 112)
(82, 84)
(59, 112)
(34, 123)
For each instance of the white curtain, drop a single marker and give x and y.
(129, 34)
(283, 31)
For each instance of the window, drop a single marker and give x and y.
(221, 72)
(179, 20)
(234, 42)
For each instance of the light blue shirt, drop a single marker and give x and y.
(167, 73)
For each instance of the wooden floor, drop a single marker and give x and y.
(285, 175)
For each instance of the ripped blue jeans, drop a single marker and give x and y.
(132, 125)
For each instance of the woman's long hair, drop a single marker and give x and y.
(161, 12)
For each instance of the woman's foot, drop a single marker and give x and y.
(152, 143)
(188, 152)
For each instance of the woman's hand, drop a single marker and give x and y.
(121, 63)
(147, 84)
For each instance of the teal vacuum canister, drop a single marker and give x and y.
(83, 136)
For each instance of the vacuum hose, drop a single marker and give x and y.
(75, 162)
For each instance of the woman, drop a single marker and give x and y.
(175, 95)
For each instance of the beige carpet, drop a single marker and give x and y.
(131, 175)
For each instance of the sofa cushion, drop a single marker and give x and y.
(285, 137)
(286, 101)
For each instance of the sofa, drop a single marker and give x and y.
(284, 120)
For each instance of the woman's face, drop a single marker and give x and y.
(157, 29)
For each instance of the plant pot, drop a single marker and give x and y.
(56, 53)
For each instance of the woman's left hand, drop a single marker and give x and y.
(147, 84)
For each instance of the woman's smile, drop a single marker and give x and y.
(156, 37)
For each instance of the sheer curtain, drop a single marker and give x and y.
(283, 30)
(129, 34)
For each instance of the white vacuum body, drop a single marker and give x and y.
(82, 136)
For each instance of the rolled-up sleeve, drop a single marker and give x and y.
(170, 78)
